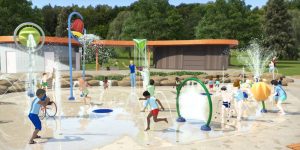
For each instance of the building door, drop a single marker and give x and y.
(11, 62)
(49, 61)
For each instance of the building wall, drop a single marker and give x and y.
(61, 55)
(198, 57)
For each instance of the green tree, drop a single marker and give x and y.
(213, 23)
(50, 15)
(231, 19)
(191, 15)
(293, 4)
(175, 25)
(37, 17)
(97, 19)
(15, 12)
(279, 30)
(102, 18)
(116, 26)
(153, 20)
(295, 13)
(62, 23)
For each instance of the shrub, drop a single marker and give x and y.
(178, 73)
(111, 77)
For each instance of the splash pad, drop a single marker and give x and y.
(256, 58)
(205, 127)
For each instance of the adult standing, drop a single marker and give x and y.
(274, 61)
(132, 73)
(271, 66)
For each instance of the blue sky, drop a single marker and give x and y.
(41, 3)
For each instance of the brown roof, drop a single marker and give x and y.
(232, 43)
(48, 40)
(64, 41)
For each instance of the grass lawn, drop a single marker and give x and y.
(284, 67)
(289, 67)
(120, 62)
(122, 58)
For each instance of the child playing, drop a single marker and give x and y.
(210, 84)
(132, 68)
(239, 97)
(44, 81)
(271, 67)
(248, 84)
(154, 109)
(177, 82)
(105, 83)
(226, 99)
(256, 79)
(34, 111)
(279, 96)
(151, 88)
(217, 83)
(85, 93)
(280, 81)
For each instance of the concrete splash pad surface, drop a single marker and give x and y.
(79, 128)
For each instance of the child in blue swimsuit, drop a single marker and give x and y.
(239, 97)
(279, 96)
(34, 111)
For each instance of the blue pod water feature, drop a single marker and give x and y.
(102, 111)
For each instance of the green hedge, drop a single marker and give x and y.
(178, 73)
(163, 74)
(110, 77)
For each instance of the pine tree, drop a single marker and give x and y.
(279, 30)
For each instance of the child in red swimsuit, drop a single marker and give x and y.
(154, 109)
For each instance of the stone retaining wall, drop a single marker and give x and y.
(17, 84)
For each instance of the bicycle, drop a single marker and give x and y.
(49, 110)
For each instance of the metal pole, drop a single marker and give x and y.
(149, 55)
(243, 74)
(83, 61)
(223, 74)
(83, 52)
(70, 52)
(97, 59)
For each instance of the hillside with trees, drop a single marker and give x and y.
(277, 23)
